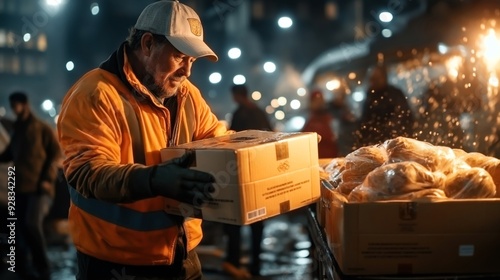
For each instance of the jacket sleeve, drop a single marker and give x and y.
(53, 152)
(91, 130)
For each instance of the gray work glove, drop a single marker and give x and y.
(174, 179)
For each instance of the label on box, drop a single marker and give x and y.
(395, 250)
(256, 213)
(466, 250)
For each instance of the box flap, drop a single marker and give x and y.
(239, 140)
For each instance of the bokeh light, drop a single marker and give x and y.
(234, 53)
(256, 95)
(70, 66)
(47, 105)
(285, 22)
(301, 91)
(295, 104)
(239, 79)
(94, 8)
(279, 115)
(269, 67)
(385, 17)
(215, 78)
(282, 101)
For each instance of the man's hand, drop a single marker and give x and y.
(174, 179)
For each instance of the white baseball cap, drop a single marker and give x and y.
(179, 24)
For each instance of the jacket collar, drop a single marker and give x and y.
(114, 64)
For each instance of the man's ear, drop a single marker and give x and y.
(147, 42)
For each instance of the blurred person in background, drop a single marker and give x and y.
(247, 116)
(34, 151)
(385, 114)
(440, 120)
(57, 219)
(320, 120)
(113, 123)
(343, 117)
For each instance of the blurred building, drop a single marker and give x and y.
(51, 43)
(282, 49)
(30, 52)
(93, 29)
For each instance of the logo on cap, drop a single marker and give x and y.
(195, 26)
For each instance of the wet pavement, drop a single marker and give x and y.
(286, 251)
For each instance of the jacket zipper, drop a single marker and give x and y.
(174, 139)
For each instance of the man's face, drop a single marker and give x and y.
(18, 108)
(166, 68)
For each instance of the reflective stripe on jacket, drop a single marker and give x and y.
(96, 140)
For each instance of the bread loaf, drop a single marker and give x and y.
(459, 152)
(474, 182)
(395, 181)
(365, 194)
(490, 164)
(358, 164)
(403, 177)
(434, 158)
(334, 170)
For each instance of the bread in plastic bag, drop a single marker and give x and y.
(459, 152)
(434, 158)
(474, 182)
(396, 181)
(358, 164)
(362, 195)
(334, 170)
(490, 164)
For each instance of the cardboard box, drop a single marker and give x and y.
(406, 238)
(259, 174)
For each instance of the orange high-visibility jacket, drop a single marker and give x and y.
(106, 220)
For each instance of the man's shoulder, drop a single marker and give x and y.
(97, 78)
(96, 83)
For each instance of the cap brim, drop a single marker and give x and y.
(193, 47)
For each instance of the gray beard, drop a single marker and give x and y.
(156, 89)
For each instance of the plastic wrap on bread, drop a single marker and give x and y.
(358, 164)
(490, 164)
(474, 182)
(334, 170)
(396, 181)
(408, 169)
(435, 158)
(459, 152)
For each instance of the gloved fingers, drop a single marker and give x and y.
(196, 175)
(197, 194)
(200, 200)
(185, 160)
(204, 189)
